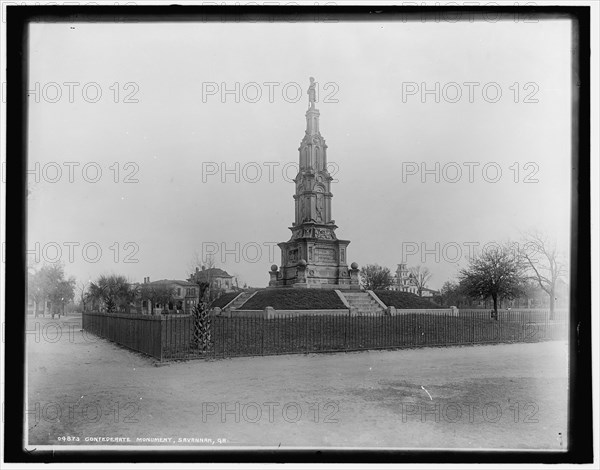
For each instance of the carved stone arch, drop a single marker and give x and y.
(320, 188)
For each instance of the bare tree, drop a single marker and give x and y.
(82, 288)
(203, 272)
(545, 265)
(236, 278)
(161, 294)
(420, 276)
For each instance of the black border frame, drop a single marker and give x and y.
(580, 445)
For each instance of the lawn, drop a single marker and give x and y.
(224, 300)
(404, 300)
(294, 299)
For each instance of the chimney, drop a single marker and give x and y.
(197, 270)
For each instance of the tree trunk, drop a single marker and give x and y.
(495, 299)
(552, 304)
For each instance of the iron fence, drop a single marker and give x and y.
(249, 336)
(159, 336)
(170, 336)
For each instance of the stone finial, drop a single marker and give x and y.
(354, 265)
(274, 268)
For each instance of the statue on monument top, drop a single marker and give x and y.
(312, 93)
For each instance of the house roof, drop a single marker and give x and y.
(211, 272)
(173, 281)
(431, 290)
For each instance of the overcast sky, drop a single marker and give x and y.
(173, 138)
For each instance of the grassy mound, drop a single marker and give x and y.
(224, 300)
(294, 299)
(404, 299)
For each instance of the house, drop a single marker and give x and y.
(426, 292)
(404, 281)
(33, 308)
(215, 277)
(167, 296)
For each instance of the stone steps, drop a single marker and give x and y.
(362, 302)
(240, 300)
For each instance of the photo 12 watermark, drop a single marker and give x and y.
(82, 411)
(52, 332)
(269, 92)
(88, 172)
(89, 252)
(471, 92)
(270, 412)
(257, 172)
(470, 172)
(455, 251)
(82, 92)
(462, 15)
(240, 252)
(472, 413)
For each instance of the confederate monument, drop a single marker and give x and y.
(314, 257)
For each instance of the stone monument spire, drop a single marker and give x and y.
(313, 191)
(313, 257)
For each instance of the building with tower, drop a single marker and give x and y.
(404, 281)
(313, 257)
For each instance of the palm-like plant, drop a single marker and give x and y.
(113, 291)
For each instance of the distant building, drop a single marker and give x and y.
(33, 308)
(426, 292)
(215, 277)
(185, 296)
(404, 281)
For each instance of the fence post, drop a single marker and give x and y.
(345, 332)
(306, 331)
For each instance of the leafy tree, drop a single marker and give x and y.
(420, 277)
(452, 294)
(62, 293)
(36, 290)
(545, 265)
(498, 273)
(375, 277)
(49, 284)
(114, 291)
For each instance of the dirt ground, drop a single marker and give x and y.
(84, 390)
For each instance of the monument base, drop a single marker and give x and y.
(325, 269)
